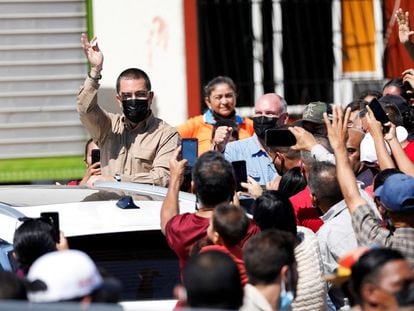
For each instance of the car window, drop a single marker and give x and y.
(142, 261)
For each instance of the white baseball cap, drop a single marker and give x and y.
(367, 147)
(67, 274)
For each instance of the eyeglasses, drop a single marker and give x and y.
(136, 95)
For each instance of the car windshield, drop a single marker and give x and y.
(35, 196)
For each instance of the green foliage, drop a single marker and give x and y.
(37, 169)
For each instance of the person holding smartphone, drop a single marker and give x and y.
(93, 164)
(270, 112)
(220, 96)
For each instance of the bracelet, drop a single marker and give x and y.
(95, 79)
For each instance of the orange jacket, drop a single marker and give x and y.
(201, 127)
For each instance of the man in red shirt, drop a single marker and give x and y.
(214, 183)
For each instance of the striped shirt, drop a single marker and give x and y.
(369, 231)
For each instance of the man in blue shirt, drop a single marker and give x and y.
(270, 112)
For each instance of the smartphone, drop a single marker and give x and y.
(240, 172)
(189, 151)
(52, 218)
(95, 156)
(379, 113)
(279, 138)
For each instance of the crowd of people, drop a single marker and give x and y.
(332, 215)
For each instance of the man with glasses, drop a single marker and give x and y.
(135, 146)
(270, 112)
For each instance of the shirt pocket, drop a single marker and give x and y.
(143, 159)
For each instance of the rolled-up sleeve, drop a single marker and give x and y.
(94, 119)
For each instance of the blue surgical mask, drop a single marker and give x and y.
(286, 298)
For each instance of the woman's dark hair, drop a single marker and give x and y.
(382, 176)
(273, 210)
(33, 239)
(368, 268)
(292, 182)
(219, 80)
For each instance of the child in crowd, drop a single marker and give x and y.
(228, 227)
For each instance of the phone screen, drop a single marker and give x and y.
(95, 156)
(189, 151)
(240, 172)
(279, 138)
(52, 218)
(378, 111)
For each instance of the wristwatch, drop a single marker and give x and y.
(96, 79)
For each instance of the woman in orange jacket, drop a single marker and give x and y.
(220, 98)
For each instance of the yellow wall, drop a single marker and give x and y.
(358, 36)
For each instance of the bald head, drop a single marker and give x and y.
(272, 105)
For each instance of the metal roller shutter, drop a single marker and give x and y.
(41, 68)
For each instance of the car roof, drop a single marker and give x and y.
(87, 211)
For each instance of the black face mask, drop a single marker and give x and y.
(261, 124)
(135, 110)
(219, 117)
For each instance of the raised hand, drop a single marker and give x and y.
(177, 166)
(338, 129)
(92, 52)
(408, 76)
(93, 169)
(403, 20)
(304, 139)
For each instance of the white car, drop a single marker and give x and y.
(126, 242)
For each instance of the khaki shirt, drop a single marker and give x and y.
(138, 155)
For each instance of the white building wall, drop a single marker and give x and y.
(148, 35)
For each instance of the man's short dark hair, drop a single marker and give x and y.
(213, 178)
(133, 74)
(212, 280)
(273, 210)
(323, 183)
(368, 268)
(231, 223)
(266, 253)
